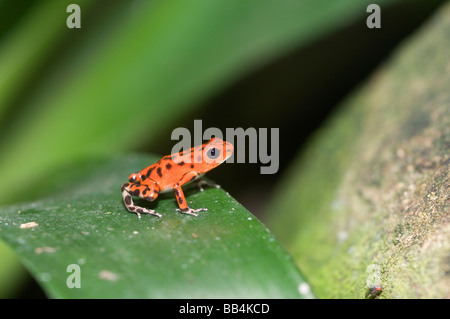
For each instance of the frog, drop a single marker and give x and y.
(171, 173)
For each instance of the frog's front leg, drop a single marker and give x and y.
(142, 191)
(181, 200)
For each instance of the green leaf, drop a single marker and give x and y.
(225, 252)
(372, 189)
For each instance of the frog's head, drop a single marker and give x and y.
(217, 151)
(135, 177)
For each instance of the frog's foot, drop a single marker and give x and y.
(191, 211)
(128, 201)
(202, 182)
(140, 210)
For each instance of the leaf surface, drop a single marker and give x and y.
(225, 252)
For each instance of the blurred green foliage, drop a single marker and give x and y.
(129, 72)
(372, 189)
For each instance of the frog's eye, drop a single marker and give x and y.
(213, 153)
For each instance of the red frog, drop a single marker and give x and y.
(172, 172)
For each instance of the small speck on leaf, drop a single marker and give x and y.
(45, 249)
(108, 275)
(28, 225)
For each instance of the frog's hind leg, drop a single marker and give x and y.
(207, 183)
(142, 191)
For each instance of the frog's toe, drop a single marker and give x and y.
(191, 211)
(142, 210)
